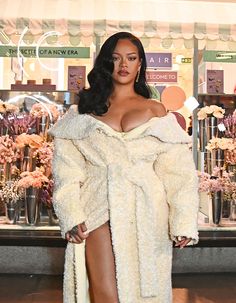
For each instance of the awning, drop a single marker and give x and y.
(86, 20)
(102, 28)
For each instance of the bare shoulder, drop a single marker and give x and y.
(157, 108)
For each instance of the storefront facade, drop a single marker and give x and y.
(47, 59)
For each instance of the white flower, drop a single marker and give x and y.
(201, 115)
(218, 114)
(212, 110)
(209, 109)
(221, 143)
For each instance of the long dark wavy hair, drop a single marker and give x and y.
(95, 98)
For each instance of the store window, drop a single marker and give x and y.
(38, 83)
(217, 124)
(56, 78)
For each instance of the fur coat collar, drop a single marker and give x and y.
(79, 126)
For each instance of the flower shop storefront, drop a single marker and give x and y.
(44, 62)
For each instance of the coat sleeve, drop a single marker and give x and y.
(69, 172)
(175, 167)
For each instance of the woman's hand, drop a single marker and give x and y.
(77, 234)
(182, 241)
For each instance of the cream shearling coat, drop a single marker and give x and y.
(143, 181)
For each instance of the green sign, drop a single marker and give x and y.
(45, 52)
(219, 56)
(186, 60)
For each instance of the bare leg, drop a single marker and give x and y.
(101, 266)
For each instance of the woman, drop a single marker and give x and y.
(125, 184)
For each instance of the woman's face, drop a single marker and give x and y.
(126, 62)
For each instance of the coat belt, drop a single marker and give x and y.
(140, 175)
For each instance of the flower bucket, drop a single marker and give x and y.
(42, 125)
(7, 171)
(11, 211)
(228, 217)
(52, 217)
(216, 207)
(226, 209)
(215, 158)
(208, 128)
(202, 135)
(29, 162)
(32, 205)
(1, 172)
(211, 127)
(232, 216)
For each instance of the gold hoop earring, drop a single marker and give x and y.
(137, 78)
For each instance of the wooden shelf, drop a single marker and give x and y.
(33, 87)
(227, 101)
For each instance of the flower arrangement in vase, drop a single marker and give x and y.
(32, 182)
(219, 187)
(8, 108)
(230, 125)
(230, 132)
(208, 118)
(221, 143)
(46, 199)
(222, 151)
(8, 156)
(11, 194)
(45, 115)
(28, 144)
(26, 153)
(34, 179)
(12, 121)
(210, 111)
(44, 156)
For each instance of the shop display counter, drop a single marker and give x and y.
(50, 236)
(42, 234)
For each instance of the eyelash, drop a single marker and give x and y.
(132, 58)
(129, 58)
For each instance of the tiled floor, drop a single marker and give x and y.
(30, 289)
(204, 288)
(187, 288)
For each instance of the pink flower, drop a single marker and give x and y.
(6, 107)
(15, 124)
(46, 194)
(45, 153)
(34, 141)
(208, 183)
(219, 181)
(35, 179)
(230, 125)
(8, 150)
(230, 157)
(38, 110)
